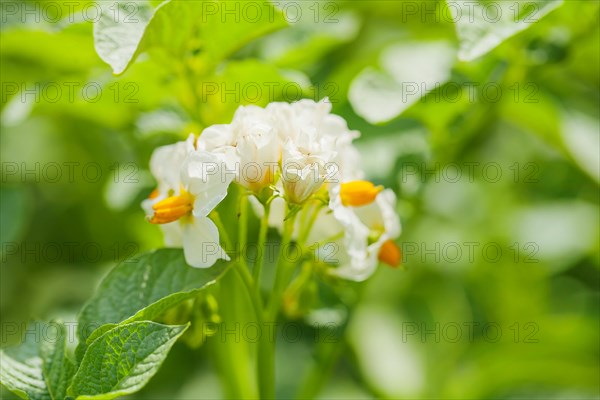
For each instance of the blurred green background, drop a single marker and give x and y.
(495, 163)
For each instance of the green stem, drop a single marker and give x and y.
(243, 227)
(327, 355)
(191, 77)
(232, 356)
(216, 218)
(266, 351)
(283, 272)
(262, 237)
(313, 217)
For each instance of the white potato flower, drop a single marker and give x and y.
(191, 184)
(250, 144)
(370, 231)
(358, 230)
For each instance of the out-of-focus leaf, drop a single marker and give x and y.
(385, 357)
(223, 33)
(248, 82)
(143, 288)
(483, 24)
(14, 208)
(557, 233)
(122, 360)
(581, 137)
(410, 71)
(66, 51)
(309, 40)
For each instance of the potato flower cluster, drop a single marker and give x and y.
(293, 160)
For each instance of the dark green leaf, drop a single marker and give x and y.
(123, 360)
(144, 288)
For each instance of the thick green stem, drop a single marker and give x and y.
(265, 350)
(265, 353)
(232, 356)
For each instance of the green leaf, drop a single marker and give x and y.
(119, 30)
(21, 367)
(122, 360)
(144, 288)
(482, 25)
(310, 40)
(225, 32)
(56, 367)
(181, 28)
(38, 368)
(173, 27)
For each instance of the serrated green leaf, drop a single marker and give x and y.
(482, 25)
(144, 288)
(122, 360)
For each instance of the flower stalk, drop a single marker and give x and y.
(262, 237)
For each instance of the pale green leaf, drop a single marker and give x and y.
(408, 72)
(21, 367)
(119, 30)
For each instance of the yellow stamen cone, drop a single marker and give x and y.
(172, 208)
(390, 254)
(154, 194)
(359, 193)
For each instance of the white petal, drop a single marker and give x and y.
(166, 161)
(201, 243)
(173, 233)
(215, 137)
(205, 176)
